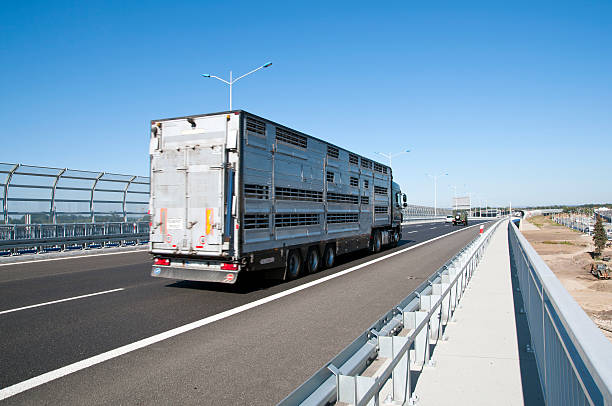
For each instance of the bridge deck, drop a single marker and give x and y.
(485, 358)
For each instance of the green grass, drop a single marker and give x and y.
(558, 242)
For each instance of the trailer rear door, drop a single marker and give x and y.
(189, 183)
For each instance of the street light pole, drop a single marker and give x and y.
(390, 155)
(232, 80)
(435, 178)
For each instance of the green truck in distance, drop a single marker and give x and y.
(460, 217)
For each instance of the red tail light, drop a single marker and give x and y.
(229, 267)
(162, 261)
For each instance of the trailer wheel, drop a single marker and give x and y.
(376, 242)
(329, 256)
(313, 260)
(294, 265)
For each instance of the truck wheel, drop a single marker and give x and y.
(294, 265)
(376, 243)
(396, 238)
(329, 256)
(313, 261)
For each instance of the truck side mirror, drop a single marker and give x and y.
(404, 199)
(405, 204)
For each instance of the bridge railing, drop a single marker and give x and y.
(51, 209)
(574, 358)
(401, 338)
(33, 238)
(40, 195)
(416, 211)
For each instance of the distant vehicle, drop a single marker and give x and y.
(449, 219)
(461, 217)
(233, 192)
(600, 271)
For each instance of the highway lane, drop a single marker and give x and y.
(38, 340)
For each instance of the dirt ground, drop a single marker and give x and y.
(566, 252)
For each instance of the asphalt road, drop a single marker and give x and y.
(254, 357)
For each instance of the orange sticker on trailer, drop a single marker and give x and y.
(209, 213)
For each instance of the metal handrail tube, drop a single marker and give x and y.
(312, 393)
(562, 333)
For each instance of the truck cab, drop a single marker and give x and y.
(399, 202)
(460, 218)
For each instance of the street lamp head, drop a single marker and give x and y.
(268, 64)
(206, 75)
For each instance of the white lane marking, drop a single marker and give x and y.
(433, 228)
(60, 301)
(410, 232)
(105, 356)
(73, 257)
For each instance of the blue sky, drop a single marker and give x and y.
(511, 99)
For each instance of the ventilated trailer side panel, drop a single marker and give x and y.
(299, 190)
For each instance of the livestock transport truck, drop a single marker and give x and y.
(233, 192)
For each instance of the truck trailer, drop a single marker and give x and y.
(232, 192)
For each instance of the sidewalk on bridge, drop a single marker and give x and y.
(484, 360)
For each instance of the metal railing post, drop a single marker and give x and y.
(91, 200)
(6, 190)
(52, 210)
(125, 191)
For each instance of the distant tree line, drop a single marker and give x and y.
(582, 208)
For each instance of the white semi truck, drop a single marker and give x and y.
(232, 192)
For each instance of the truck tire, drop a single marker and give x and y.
(397, 236)
(293, 265)
(329, 256)
(313, 260)
(376, 242)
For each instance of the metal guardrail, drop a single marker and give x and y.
(31, 238)
(574, 358)
(378, 363)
